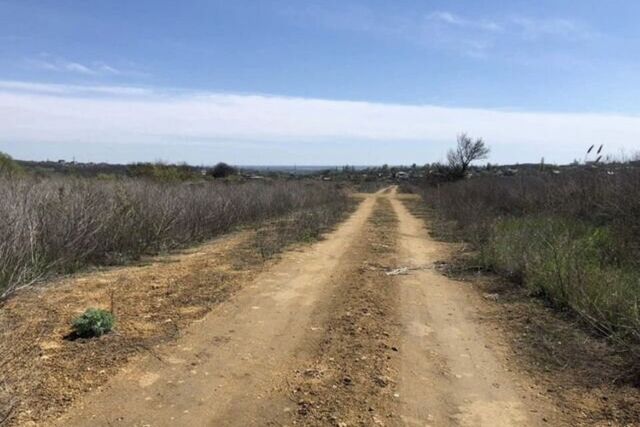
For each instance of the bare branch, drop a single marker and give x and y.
(467, 151)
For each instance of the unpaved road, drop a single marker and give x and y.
(450, 373)
(326, 337)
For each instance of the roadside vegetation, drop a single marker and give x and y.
(60, 224)
(8, 166)
(572, 238)
(68, 337)
(94, 322)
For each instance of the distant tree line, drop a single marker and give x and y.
(158, 171)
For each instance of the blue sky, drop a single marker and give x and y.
(317, 82)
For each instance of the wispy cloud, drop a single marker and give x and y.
(560, 28)
(58, 114)
(459, 21)
(472, 36)
(57, 64)
(521, 26)
(480, 37)
(66, 89)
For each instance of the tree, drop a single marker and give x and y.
(8, 166)
(222, 170)
(466, 152)
(162, 172)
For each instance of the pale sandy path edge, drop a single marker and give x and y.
(450, 373)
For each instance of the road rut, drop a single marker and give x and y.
(450, 374)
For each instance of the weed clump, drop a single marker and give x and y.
(573, 265)
(94, 322)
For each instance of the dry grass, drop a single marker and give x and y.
(60, 225)
(153, 301)
(573, 239)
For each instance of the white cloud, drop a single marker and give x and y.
(57, 114)
(52, 63)
(65, 89)
(107, 69)
(458, 21)
(74, 66)
(447, 17)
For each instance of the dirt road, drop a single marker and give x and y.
(327, 337)
(450, 373)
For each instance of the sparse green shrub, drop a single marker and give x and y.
(573, 265)
(94, 322)
(8, 166)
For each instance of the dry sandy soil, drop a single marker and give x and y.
(359, 329)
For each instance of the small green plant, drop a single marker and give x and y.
(93, 323)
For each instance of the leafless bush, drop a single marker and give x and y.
(596, 196)
(573, 238)
(60, 224)
(300, 226)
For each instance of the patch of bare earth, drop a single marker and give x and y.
(585, 376)
(352, 370)
(44, 370)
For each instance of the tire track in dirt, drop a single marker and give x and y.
(350, 377)
(231, 367)
(451, 372)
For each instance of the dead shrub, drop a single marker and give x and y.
(58, 225)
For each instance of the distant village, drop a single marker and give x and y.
(326, 173)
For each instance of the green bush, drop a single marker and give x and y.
(93, 323)
(571, 263)
(8, 166)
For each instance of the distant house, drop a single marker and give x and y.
(402, 175)
(510, 172)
